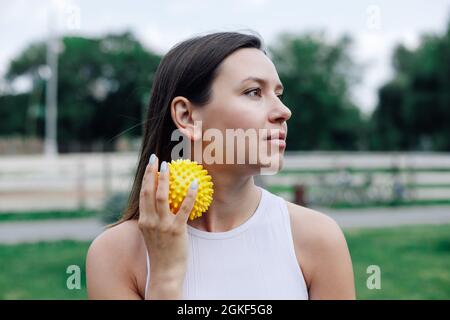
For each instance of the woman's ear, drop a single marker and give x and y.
(182, 112)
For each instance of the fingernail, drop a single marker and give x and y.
(163, 166)
(152, 159)
(194, 184)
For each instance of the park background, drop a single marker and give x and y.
(368, 83)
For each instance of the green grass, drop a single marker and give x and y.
(364, 170)
(38, 271)
(414, 262)
(366, 204)
(45, 215)
(391, 204)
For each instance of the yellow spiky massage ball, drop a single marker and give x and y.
(182, 173)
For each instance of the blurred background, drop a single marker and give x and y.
(368, 83)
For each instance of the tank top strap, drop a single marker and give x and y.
(147, 280)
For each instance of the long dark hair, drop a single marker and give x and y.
(187, 70)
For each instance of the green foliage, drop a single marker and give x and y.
(12, 122)
(317, 76)
(413, 112)
(28, 61)
(114, 207)
(103, 85)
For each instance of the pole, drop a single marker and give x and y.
(51, 115)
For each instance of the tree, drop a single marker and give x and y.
(103, 85)
(12, 122)
(317, 76)
(413, 111)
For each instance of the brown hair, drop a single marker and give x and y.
(187, 70)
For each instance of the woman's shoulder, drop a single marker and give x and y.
(312, 225)
(120, 240)
(116, 255)
(318, 239)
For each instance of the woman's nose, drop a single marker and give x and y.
(280, 112)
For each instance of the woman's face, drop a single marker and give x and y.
(246, 95)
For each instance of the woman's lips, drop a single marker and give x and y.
(280, 142)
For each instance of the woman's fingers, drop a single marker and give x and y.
(154, 199)
(147, 194)
(188, 203)
(162, 191)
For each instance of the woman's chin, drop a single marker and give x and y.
(271, 164)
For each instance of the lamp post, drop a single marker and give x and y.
(51, 111)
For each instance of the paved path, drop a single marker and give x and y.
(50, 230)
(391, 217)
(88, 229)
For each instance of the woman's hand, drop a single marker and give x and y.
(165, 233)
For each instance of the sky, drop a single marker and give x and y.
(375, 26)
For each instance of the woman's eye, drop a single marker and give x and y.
(258, 90)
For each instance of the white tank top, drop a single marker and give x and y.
(255, 260)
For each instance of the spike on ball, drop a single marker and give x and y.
(182, 173)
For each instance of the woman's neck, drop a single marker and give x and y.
(235, 199)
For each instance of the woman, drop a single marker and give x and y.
(250, 244)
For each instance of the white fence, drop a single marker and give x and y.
(76, 181)
(366, 177)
